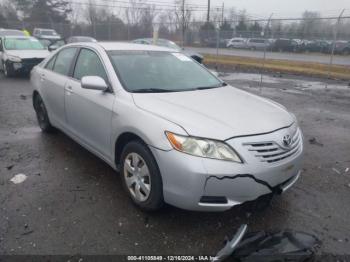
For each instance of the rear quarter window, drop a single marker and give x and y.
(64, 60)
(50, 64)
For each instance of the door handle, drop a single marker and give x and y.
(42, 77)
(69, 90)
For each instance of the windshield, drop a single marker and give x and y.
(23, 44)
(168, 44)
(152, 71)
(45, 43)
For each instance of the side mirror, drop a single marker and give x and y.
(52, 48)
(94, 83)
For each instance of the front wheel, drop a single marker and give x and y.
(141, 176)
(41, 115)
(7, 71)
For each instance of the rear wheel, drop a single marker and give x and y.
(141, 176)
(41, 115)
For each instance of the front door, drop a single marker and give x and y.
(89, 112)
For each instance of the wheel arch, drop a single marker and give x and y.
(122, 140)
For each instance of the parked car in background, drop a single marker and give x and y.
(237, 42)
(19, 54)
(286, 45)
(11, 32)
(321, 46)
(213, 42)
(258, 44)
(169, 44)
(176, 133)
(80, 39)
(49, 34)
(342, 47)
(52, 44)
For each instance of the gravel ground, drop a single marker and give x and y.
(73, 203)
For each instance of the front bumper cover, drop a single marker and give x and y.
(186, 179)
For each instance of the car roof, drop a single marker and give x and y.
(8, 32)
(19, 37)
(81, 36)
(125, 46)
(151, 39)
(38, 28)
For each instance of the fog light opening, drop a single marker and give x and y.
(213, 200)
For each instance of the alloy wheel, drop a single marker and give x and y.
(137, 177)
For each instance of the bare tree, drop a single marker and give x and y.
(133, 13)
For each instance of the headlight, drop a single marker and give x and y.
(203, 147)
(15, 59)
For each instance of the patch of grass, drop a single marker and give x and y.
(282, 66)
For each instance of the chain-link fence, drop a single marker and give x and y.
(320, 41)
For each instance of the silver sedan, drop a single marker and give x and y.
(175, 132)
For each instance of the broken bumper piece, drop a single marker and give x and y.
(231, 245)
(286, 245)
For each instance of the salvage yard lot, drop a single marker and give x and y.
(72, 202)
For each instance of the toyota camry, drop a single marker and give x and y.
(175, 132)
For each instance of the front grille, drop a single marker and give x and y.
(271, 151)
(32, 61)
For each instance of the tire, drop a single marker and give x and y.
(7, 71)
(346, 52)
(144, 184)
(41, 114)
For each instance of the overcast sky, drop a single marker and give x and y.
(281, 7)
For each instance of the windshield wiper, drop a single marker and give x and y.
(210, 87)
(152, 90)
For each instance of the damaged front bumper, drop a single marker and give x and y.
(203, 184)
(248, 186)
(24, 66)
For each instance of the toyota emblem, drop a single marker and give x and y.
(287, 140)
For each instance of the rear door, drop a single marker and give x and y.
(53, 80)
(89, 112)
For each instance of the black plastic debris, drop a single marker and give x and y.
(281, 246)
(313, 141)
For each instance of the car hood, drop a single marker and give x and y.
(219, 113)
(24, 54)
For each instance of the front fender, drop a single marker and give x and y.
(128, 118)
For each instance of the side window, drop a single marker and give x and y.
(64, 60)
(49, 65)
(1, 49)
(89, 64)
